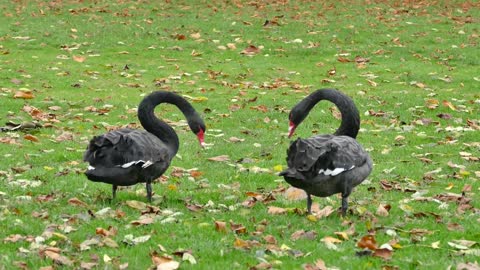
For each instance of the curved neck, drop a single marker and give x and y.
(350, 117)
(157, 127)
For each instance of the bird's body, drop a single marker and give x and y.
(324, 165)
(126, 157)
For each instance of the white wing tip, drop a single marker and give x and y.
(145, 164)
(335, 171)
(90, 167)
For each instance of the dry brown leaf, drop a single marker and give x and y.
(235, 140)
(325, 212)
(383, 253)
(78, 58)
(319, 265)
(221, 158)
(273, 210)
(220, 226)
(31, 138)
(332, 240)
(310, 235)
(55, 255)
(241, 244)
(76, 201)
(295, 194)
(136, 205)
(367, 241)
(164, 262)
(447, 103)
(250, 50)
(88, 265)
(468, 266)
(195, 35)
(342, 235)
(382, 211)
(142, 221)
(23, 95)
(270, 239)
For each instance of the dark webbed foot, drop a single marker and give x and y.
(149, 192)
(309, 204)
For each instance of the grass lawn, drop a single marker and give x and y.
(75, 69)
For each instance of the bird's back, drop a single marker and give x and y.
(126, 157)
(326, 164)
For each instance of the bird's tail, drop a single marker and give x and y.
(292, 173)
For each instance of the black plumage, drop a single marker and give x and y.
(126, 157)
(324, 165)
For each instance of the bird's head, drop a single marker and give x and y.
(296, 116)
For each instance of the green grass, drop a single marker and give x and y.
(416, 52)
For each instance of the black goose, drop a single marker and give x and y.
(324, 165)
(126, 157)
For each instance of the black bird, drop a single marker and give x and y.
(324, 165)
(126, 156)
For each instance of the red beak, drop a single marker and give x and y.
(291, 129)
(201, 137)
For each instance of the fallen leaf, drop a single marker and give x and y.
(383, 253)
(142, 221)
(273, 210)
(129, 239)
(310, 235)
(367, 241)
(31, 138)
(250, 50)
(468, 266)
(331, 240)
(23, 95)
(78, 58)
(241, 244)
(294, 194)
(322, 213)
(319, 265)
(76, 201)
(221, 158)
(55, 255)
(382, 210)
(448, 104)
(136, 205)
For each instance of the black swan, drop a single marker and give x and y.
(324, 165)
(126, 156)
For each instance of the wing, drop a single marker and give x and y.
(124, 148)
(326, 154)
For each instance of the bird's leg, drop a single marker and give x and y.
(309, 204)
(344, 205)
(114, 191)
(149, 191)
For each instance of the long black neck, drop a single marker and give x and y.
(157, 127)
(350, 117)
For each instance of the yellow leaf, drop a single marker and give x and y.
(312, 218)
(450, 186)
(278, 168)
(47, 168)
(332, 240)
(172, 187)
(342, 235)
